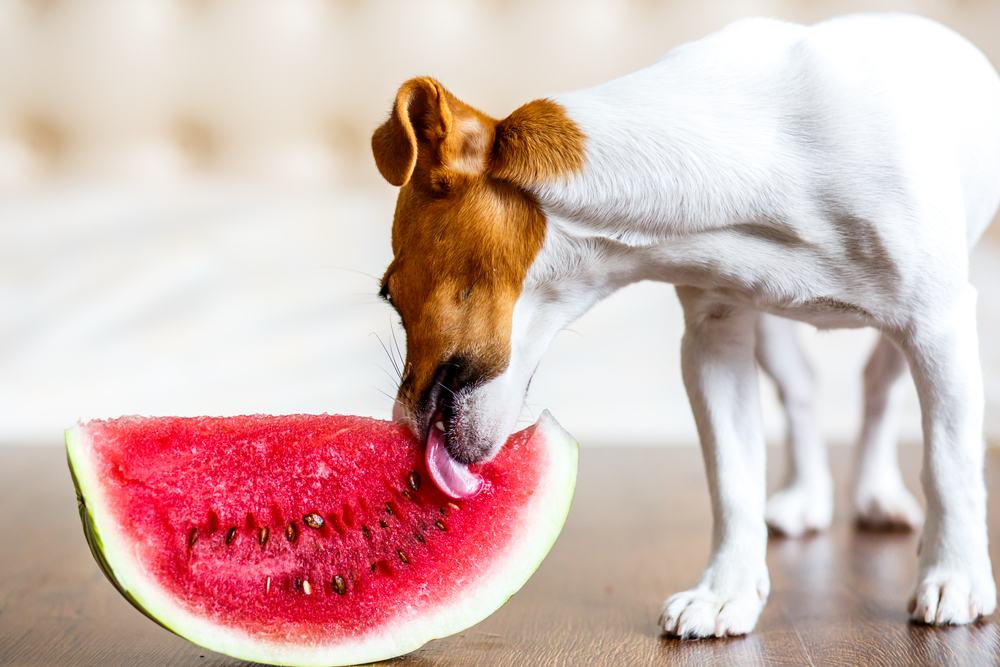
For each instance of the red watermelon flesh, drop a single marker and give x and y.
(312, 539)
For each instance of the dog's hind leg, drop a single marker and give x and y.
(954, 576)
(717, 360)
(805, 501)
(880, 497)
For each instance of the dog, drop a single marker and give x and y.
(836, 174)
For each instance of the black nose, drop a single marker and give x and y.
(450, 377)
(453, 375)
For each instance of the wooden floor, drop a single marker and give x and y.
(638, 531)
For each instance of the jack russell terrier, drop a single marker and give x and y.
(835, 174)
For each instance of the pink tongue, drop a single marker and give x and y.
(453, 478)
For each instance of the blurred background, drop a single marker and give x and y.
(191, 221)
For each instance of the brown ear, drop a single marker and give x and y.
(538, 143)
(427, 120)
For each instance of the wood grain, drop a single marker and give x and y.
(638, 531)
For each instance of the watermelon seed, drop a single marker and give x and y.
(440, 525)
(420, 538)
(373, 568)
(267, 585)
(291, 532)
(414, 480)
(403, 557)
(307, 587)
(231, 535)
(192, 537)
(407, 495)
(340, 586)
(262, 536)
(368, 533)
(453, 506)
(383, 523)
(388, 509)
(442, 510)
(313, 520)
(298, 584)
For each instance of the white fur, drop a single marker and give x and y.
(837, 175)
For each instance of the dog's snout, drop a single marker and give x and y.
(450, 378)
(453, 375)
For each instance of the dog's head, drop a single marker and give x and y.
(465, 236)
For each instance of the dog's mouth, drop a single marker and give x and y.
(452, 477)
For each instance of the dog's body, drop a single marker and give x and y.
(836, 175)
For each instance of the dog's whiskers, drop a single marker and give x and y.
(394, 380)
(395, 366)
(399, 352)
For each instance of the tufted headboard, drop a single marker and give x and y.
(291, 89)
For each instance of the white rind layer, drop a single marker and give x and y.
(544, 517)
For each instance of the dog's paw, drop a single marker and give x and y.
(888, 508)
(700, 612)
(800, 508)
(944, 597)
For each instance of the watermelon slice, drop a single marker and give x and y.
(312, 540)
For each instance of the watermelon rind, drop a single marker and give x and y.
(543, 520)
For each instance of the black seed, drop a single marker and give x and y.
(313, 520)
(383, 523)
(373, 568)
(414, 480)
(262, 536)
(298, 584)
(440, 525)
(420, 538)
(368, 533)
(443, 512)
(388, 509)
(407, 495)
(339, 585)
(403, 557)
(231, 535)
(292, 532)
(192, 537)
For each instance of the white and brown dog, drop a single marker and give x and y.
(835, 174)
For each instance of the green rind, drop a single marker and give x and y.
(97, 547)
(495, 589)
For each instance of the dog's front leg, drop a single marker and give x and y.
(717, 359)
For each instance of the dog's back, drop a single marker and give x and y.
(861, 112)
(946, 95)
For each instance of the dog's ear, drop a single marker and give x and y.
(429, 124)
(538, 143)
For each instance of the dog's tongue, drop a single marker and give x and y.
(453, 478)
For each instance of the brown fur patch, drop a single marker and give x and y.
(536, 144)
(466, 231)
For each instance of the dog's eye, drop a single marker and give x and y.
(384, 294)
